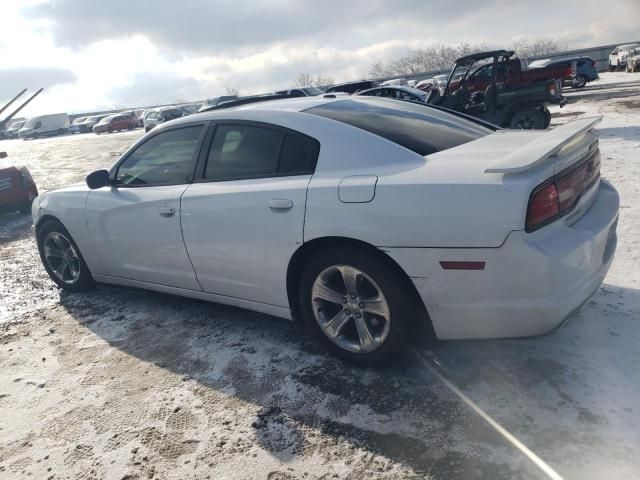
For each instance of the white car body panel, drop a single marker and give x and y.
(466, 203)
(137, 238)
(240, 237)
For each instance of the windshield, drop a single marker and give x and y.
(311, 91)
(417, 127)
(32, 122)
(173, 113)
(107, 119)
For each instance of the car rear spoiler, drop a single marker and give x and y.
(544, 147)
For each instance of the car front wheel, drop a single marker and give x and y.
(61, 257)
(354, 304)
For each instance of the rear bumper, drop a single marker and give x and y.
(529, 285)
(17, 197)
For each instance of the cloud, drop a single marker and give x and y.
(157, 88)
(199, 26)
(33, 78)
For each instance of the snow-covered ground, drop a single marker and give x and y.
(120, 383)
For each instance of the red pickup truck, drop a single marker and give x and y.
(514, 72)
(17, 188)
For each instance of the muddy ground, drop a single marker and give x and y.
(126, 384)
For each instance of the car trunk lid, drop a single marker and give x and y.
(563, 146)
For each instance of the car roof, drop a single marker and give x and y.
(482, 55)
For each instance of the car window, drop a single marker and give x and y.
(247, 151)
(420, 128)
(296, 93)
(165, 159)
(299, 154)
(243, 151)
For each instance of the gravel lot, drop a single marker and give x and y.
(126, 384)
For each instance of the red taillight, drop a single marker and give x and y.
(543, 206)
(559, 195)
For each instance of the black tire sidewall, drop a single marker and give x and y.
(538, 118)
(86, 280)
(400, 302)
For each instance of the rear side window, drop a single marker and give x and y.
(248, 151)
(419, 128)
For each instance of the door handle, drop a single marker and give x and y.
(280, 204)
(167, 211)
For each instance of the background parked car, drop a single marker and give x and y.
(585, 69)
(87, 124)
(14, 128)
(426, 84)
(618, 58)
(113, 123)
(633, 60)
(308, 91)
(353, 87)
(45, 125)
(17, 188)
(213, 101)
(160, 115)
(397, 92)
(74, 125)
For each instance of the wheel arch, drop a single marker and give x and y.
(307, 249)
(45, 218)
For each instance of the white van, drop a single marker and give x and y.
(45, 125)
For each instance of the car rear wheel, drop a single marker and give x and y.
(527, 119)
(580, 82)
(354, 304)
(61, 257)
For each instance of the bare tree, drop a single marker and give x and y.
(322, 81)
(441, 57)
(303, 79)
(232, 91)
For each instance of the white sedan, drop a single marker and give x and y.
(367, 218)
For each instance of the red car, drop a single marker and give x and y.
(17, 189)
(113, 123)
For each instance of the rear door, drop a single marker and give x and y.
(135, 223)
(243, 217)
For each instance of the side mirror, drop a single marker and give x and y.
(3, 154)
(98, 179)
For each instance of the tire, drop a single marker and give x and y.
(581, 81)
(612, 68)
(53, 237)
(146, 129)
(110, 130)
(547, 118)
(527, 119)
(388, 329)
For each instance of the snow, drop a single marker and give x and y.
(120, 382)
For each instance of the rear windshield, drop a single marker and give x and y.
(423, 129)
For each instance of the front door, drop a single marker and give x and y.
(243, 219)
(135, 223)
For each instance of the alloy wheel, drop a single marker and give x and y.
(61, 257)
(350, 309)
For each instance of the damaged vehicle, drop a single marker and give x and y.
(371, 220)
(505, 101)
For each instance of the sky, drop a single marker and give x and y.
(93, 55)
